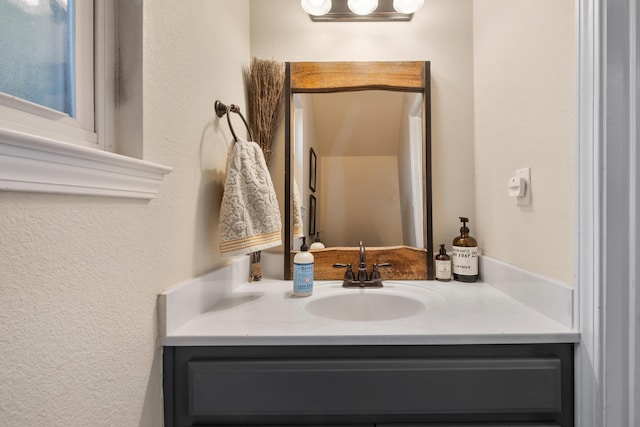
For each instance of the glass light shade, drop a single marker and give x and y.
(407, 6)
(362, 7)
(316, 7)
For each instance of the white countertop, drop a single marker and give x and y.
(266, 313)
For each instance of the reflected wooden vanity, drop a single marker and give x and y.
(407, 263)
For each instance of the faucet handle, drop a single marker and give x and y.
(348, 275)
(375, 273)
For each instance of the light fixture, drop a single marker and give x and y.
(316, 7)
(350, 10)
(362, 7)
(407, 6)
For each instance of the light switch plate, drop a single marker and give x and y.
(524, 173)
(516, 186)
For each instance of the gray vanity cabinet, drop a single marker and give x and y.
(384, 386)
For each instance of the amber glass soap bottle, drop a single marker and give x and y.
(443, 265)
(464, 257)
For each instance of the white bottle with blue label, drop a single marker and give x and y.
(303, 271)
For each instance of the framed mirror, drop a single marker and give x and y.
(368, 125)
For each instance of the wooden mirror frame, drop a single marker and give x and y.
(327, 77)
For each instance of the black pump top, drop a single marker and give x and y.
(443, 251)
(304, 246)
(317, 237)
(464, 228)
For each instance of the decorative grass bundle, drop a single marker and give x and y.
(265, 82)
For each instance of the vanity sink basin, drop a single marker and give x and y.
(365, 305)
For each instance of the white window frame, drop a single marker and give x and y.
(53, 153)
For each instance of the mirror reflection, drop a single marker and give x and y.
(358, 167)
(357, 141)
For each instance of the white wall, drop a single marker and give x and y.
(525, 116)
(410, 160)
(79, 276)
(305, 141)
(441, 33)
(352, 188)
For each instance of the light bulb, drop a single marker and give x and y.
(362, 7)
(316, 7)
(407, 6)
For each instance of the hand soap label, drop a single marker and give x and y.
(465, 260)
(302, 279)
(443, 270)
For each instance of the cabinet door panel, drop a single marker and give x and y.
(369, 387)
(306, 425)
(469, 425)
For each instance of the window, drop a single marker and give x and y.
(47, 69)
(57, 100)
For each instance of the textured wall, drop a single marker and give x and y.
(79, 276)
(441, 33)
(525, 116)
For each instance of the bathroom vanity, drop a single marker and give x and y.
(370, 385)
(418, 353)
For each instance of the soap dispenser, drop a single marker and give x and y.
(317, 244)
(303, 271)
(443, 265)
(464, 256)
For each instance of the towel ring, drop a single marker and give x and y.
(222, 109)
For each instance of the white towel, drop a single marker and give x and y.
(249, 214)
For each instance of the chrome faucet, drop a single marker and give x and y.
(363, 280)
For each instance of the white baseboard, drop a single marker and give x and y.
(549, 297)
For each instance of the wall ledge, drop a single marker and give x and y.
(38, 164)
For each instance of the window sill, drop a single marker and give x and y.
(35, 164)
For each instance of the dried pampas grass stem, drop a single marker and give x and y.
(265, 83)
